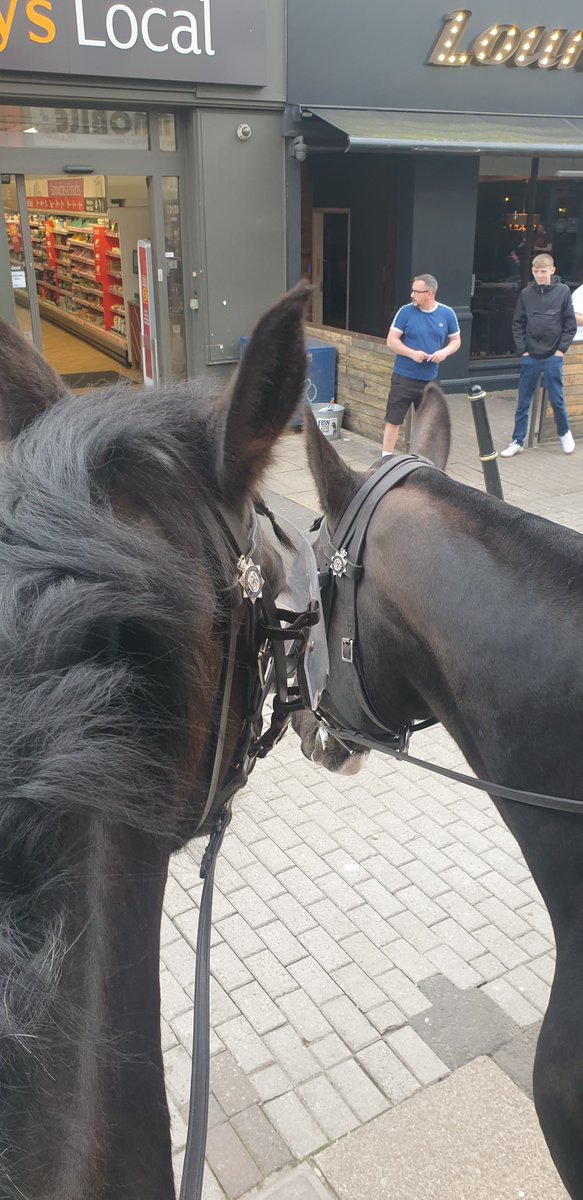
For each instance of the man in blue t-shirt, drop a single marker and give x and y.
(423, 333)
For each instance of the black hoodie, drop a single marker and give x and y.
(544, 320)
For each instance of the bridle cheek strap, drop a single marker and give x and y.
(265, 658)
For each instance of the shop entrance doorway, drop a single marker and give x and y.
(79, 190)
(72, 245)
(331, 266)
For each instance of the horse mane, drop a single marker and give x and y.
(107, 600)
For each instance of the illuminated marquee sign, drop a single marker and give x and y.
(505, 43)
(206, 41)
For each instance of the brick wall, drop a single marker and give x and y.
(364, 369)
(365, 366)
(573, 378)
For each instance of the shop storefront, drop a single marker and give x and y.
(458, 150)
(142, 212)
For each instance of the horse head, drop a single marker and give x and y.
(337, 485)
(117, 582)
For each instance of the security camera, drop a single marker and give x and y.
(299, 149)
(244, 132)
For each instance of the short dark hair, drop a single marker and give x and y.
(429, 280)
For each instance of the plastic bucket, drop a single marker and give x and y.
(329, 419)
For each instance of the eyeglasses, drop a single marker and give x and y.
(419, 291)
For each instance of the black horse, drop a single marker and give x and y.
(471, 611)
(117, 583)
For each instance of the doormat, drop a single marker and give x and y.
(94, 379)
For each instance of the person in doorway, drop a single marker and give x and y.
(543, 328)
(422, 335)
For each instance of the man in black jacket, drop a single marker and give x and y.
(543, 327)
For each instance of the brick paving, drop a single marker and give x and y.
(372, 933)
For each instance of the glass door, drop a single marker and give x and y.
(72, 249)
(21, 258)
(68, 258)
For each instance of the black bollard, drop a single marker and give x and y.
(488, 455)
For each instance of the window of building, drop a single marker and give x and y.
(23, 126)
(508, 237)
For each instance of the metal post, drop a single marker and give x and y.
(488, 455)
(535, 415)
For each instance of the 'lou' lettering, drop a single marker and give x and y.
(504, 43)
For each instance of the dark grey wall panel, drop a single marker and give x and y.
(442, 238)
(244, 224)
(373, 55)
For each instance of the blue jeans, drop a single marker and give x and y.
(530, 373)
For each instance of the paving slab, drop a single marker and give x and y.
(473, 1136)
(300, 1184)
(461, 1025)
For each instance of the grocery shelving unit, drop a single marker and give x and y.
(78, 276)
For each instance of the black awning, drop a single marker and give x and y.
(463, 133)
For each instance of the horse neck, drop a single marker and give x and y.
(103, 1129)
(456, 604)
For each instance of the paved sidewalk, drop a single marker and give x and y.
(381, 958)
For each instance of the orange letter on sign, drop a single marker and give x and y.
(6, 24)
(41, 21)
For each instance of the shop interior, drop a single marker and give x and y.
(84, 234)
(506, 241)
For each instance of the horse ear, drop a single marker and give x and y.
(266, 391)
(28, 384)
(337, 483)
(432, 427)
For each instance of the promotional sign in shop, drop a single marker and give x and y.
(147, 315)
(207, 41)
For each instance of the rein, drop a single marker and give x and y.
(536, 799)
(340, 572)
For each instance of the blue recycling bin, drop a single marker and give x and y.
(320, 387)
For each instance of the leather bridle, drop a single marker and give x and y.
(270, 634)
(340, 570)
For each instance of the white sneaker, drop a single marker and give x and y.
(568, 442)
(511, 450)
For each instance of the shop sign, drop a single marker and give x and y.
(67, 204)
(504, 42)
(206, 41)
(147, 314)
(66, 187)
(18, 277)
